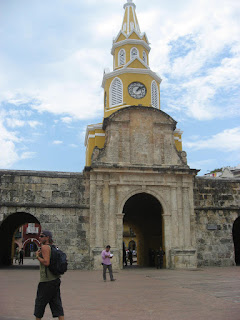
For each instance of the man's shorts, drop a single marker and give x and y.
(49, 292)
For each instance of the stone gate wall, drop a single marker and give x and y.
(60, 202)
(217, 206)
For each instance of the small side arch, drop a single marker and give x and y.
(236, 240)
(7, 230)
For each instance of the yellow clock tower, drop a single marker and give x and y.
(131, 82)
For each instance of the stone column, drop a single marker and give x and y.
(99, 216)
(93, 215)
(186, 217)
(175, 218)
(180, 217)
(167, 236)
(112, 215)
(119, 237)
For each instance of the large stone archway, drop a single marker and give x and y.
(7, 230)
(236, 240)
(143, 215)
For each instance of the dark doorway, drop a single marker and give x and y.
(30, 248)
(236, 240)
(143, 215)
(7, 230)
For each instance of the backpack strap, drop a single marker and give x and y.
(50, 258)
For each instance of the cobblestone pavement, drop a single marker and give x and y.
(138, 294)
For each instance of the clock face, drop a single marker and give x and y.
(137, 90)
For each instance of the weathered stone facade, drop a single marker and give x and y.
(85, 210)
(217, 206)
(59, 201)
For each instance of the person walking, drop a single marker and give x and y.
(130, 256)
(21, 254)
(160, 254)
(48, 291)
(124, 255)
(106, 263)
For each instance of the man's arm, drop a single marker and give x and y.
(45, 260)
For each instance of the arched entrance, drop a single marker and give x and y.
(30, 247)
(143, 225)
(236, 240)
(7, 231)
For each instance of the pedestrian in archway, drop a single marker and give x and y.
(124, 255)
(106, 263)
(130, 256)
(21, 255)
(49, 286)
(160, 254)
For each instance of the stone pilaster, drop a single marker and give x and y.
(112, 215)
(175, 218)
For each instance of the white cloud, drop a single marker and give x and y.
(27, 155)
(66, 120)
(57, 142)
(13, 123)
(8, 154)
(225, 141)
(68, 82)
(34, 123)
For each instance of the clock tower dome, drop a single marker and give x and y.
(131, 83)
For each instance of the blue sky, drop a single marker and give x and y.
(52, 56)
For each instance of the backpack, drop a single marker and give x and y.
(58, 261)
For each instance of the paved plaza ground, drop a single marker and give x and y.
(138, 294)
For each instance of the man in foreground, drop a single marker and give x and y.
(49, 285)
(106, 262)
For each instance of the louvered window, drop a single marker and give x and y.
(134, 53)
(155, 96)
(144, 57)
(121, 57)
(116, 92)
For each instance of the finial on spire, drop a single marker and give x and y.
(129, 3)
(130, 21)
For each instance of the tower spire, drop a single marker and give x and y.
(130, 21)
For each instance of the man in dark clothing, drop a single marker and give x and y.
(124, 255)
(49, 286)
(21, 253)
(160, 254)
(130, 257)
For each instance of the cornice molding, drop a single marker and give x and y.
(118, 72)
(130, 41)
(92, 127)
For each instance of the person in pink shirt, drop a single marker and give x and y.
(106, 262)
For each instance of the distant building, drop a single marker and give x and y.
(225, 172)
(27, 237)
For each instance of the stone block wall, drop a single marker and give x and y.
(217, 206)
(59, 201)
